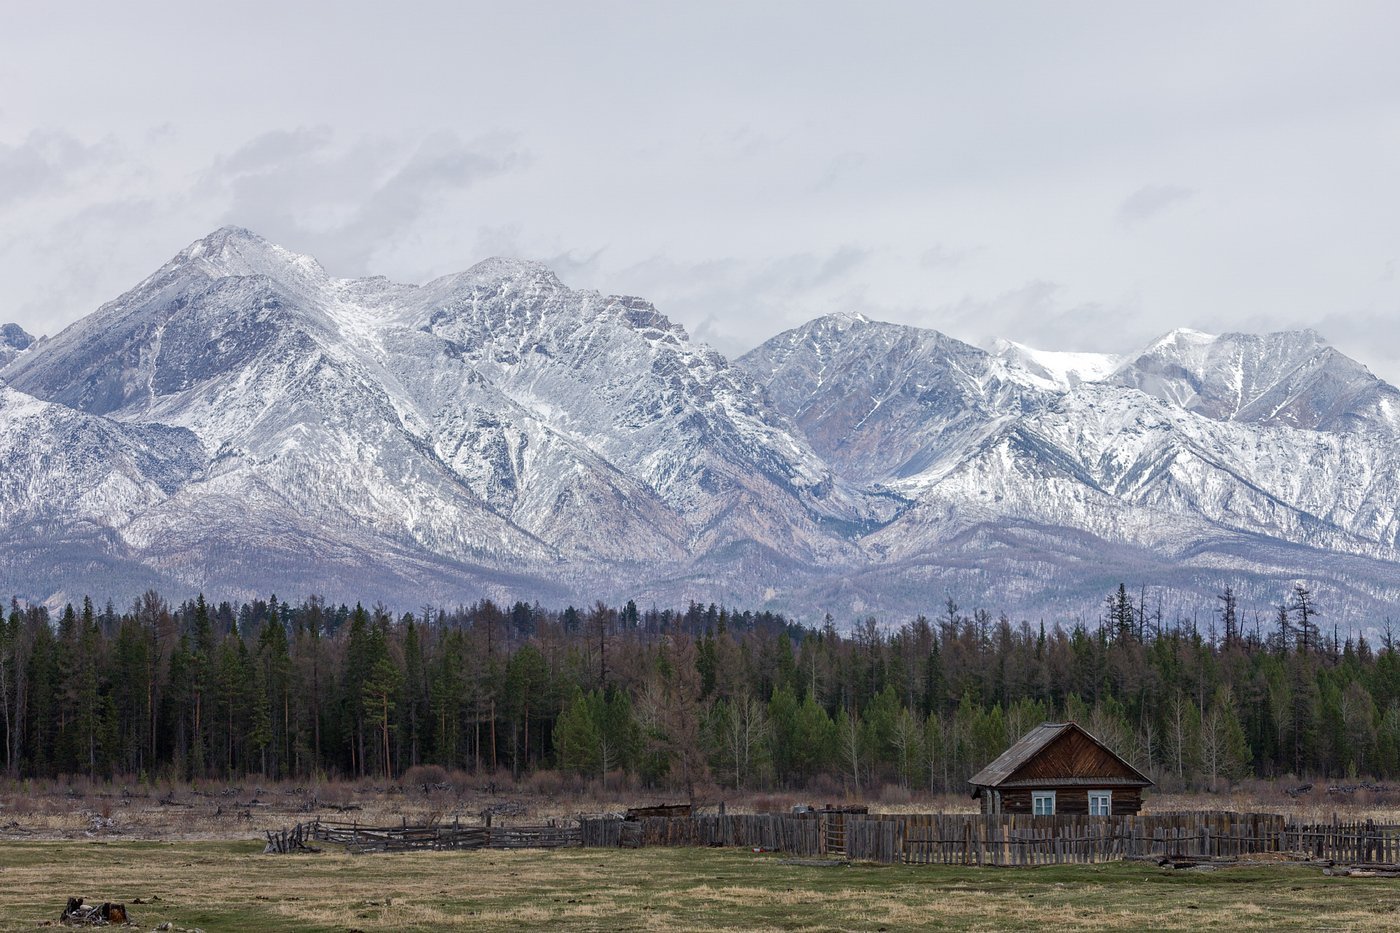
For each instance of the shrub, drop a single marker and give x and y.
(425, 774)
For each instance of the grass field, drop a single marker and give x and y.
(232, 886)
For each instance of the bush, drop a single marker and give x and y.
(425, 774)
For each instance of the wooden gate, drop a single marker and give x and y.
(834, 833)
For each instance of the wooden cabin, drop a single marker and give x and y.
(1058, 767)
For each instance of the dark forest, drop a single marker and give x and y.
(672, 698)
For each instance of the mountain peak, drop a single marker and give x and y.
(14, 337)
(1292, 378)
(14, 340)
(237, 251)
(1181, 337)
(504, 268)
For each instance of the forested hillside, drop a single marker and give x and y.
(681, 697)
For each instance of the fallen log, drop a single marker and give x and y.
(77, 914)
(288, 841)
(1364, 870)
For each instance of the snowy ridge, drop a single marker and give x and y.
(1054, 369)
(243, 420)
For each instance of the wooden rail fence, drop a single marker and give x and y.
(404, 838)
(917, 839)
(1007, 840)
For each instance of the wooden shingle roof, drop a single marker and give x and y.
(1002, 772)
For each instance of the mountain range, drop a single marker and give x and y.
(242, 422)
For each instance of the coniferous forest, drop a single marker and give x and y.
(673, 698)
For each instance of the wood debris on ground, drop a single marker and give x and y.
(78, 914)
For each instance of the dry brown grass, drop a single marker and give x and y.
(229, 886)
(80, 809)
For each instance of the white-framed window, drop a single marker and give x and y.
(1100, 803)
(1043, 802)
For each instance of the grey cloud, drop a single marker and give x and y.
(1149, 201)
(846, 175)
(76, 257)
(735, 303)
(441, 164)
(942, 256)
(347, 203)
(1037, 313)
(572, 265)
(273, 149)
(839, 169)
(43, 162)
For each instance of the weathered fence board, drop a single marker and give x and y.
(405, 838)
(1007, 840)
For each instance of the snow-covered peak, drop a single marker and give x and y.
(499, 270)
(1292, 378)
(236, 251)
(15, 337)
(241, 414)
(844, 319)
(1181, 337)
(14, 340)
(1053, 370)
(878, 399)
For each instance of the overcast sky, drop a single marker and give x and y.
(1071, 175)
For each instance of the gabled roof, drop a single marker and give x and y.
(999, 772)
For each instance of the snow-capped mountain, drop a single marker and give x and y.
(1292, 378)
(1054, 369)
(13, 342)
(1027, 471)
(494, 421)
(881, 401)
(242, 421)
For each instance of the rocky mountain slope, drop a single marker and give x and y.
(13, 341)
(243, 421)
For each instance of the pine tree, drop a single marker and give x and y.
(359, 663)
(14, 668)
(576, 738)
(43, 703)
(815, 741)
(414, 699)
(1304, 611)
(381, 691)
(88, 705)
(782, 718)
(275, 691)
(202, 664)
(1229, 616)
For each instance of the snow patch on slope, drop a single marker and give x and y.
(1054, 370)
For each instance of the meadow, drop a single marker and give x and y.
(224, 885)
(192, 855)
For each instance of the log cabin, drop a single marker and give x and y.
(1058, 767)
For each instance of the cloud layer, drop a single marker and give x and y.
(1072, 175)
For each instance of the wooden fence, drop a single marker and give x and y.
(917, 839)
(404, 838)
(1007, 840)
(775, 832)
(1052, 840)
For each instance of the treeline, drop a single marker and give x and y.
(675, 698)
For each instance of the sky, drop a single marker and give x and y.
(1069, 175)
